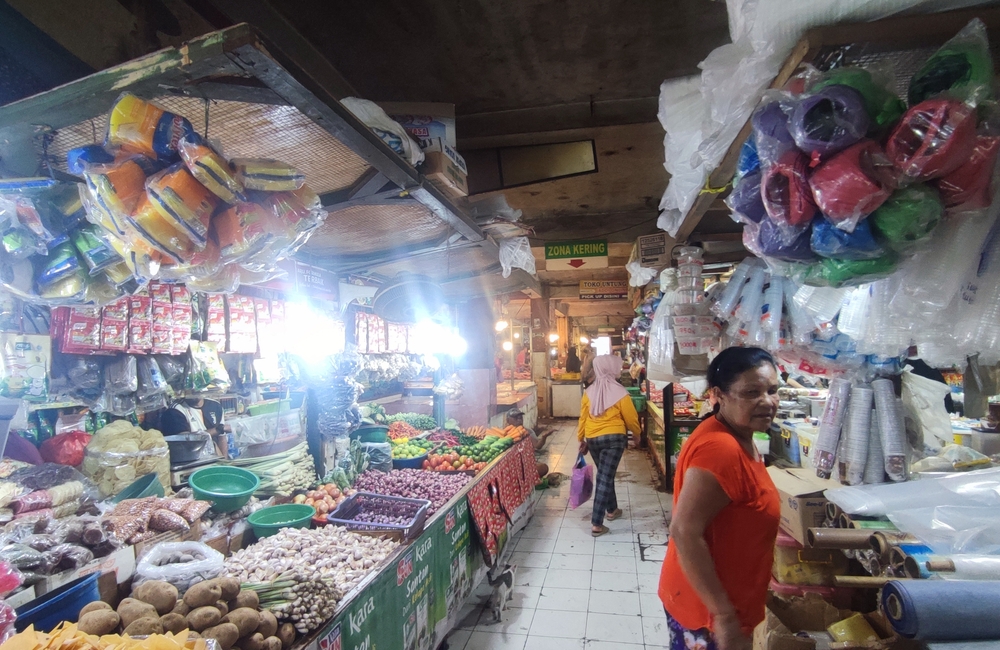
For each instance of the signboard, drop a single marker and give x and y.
(572, 255)
(653, 251)
(603, 290)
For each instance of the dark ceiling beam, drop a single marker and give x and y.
(615, 227)
(560, 117)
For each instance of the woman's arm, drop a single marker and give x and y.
(700, 500)
(581, 427)
(629, 414)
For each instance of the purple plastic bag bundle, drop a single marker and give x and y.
(581, 486)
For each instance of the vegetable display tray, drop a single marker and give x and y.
(347, 511)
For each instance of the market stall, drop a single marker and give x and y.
(186, 339)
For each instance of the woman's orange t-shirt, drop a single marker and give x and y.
(740, 538)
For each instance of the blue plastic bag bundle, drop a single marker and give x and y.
(748, 162)
(829, 241)
(774, 243)
(745, 199)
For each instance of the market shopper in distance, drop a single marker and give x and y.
(726, 510)
(606, 415)
(587, 366)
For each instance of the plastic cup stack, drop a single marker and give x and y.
(830, 425)
(693, 334)
(875, 464)
(857, 432)
(891, 429)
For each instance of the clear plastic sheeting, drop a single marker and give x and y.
(953, 529)
(516, 253)
(638, 275)
(979, 489)
(972, 567)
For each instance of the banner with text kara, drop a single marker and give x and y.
(572, 255)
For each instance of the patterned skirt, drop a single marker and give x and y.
(681, 638)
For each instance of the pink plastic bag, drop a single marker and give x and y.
(582, 484)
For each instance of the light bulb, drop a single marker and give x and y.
(508, 346)
(553, 337)
(501, 325)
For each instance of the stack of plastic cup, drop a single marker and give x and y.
(694, 331)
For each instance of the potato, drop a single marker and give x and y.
(193, 635)
(181, 608)
(268, 624)
(246, 619)
(286, 633)
(252, 642)
(173, 623)
(203, 594)
(225, 633)
(96, 606)
(144, 627)
(246, 598)
(230, 587)
(132, 610)
(222, 606)
(99, 622)
(272, 643)
(161, 595)
(203, 618)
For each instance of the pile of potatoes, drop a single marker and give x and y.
(215, 609)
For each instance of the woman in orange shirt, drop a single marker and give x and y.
(726, 509)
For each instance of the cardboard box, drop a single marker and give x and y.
(445, 169)
(652, 251)
(424, 121)
(121, 563)
(803, 505)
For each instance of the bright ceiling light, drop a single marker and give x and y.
(502, 325)
(508, 346)
(584, 340)
(517, 335)
(553, 337)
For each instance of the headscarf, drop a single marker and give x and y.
(605, 391)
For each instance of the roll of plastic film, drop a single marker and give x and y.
(891, 429)
(926, 609)
(830, 426)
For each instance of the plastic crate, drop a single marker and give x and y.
(346, 512)
(634, 391)
(639, 402)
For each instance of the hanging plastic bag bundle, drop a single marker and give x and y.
(160, 234)
(267, 175)
(883, 106)
(774, 242)
(183, 202)
(243, 230)
(97, 254)
(745, 200)
(116, 190)
(770, 129)
(748, 161)
(830, 120)
(962, 68)
(908, 216)
(852, 184)
(832, 272)
(211, 169)
(829, 241)
(970, 186)
(785, 191)
(933, 139)
(140, 127)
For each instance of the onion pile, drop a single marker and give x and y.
(414, 484)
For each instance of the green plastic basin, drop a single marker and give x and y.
(145, 486)
(268, 521)
(228, 488)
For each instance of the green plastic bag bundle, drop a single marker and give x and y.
(908, 216)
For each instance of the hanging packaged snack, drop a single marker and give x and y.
(969, 186)
(140, 262)
(115, 189)
(883, 106)
(82, 330)
(45, 229)
(852, 184)
(745, 200)
(97, 254)
(830, 241)
(786, 193)
(160, 234)
(185, 203)
(962, 69)
(267, 175)
(908, 216)
(68, 290)
(225, 280)
(140, 127)
(25, 372)
(60, 263)
(829, 120)
(770, 129)
(181, 333)
(114, 325)
(140, 323)
(163, 324)
(243, 230)
(215, 319)
(18, 241)
(211, 169)
(933, 139)
(773, 242)
(207, 370)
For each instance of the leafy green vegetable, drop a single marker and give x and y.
(415, 420)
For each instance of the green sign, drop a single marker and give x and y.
(411, 604)
(576, 249)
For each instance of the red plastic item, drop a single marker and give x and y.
(65, 449)
(785, 190)
(10, 579)
(968, 187)
(933, 139)
(853, 183)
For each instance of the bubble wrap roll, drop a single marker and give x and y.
(875, 465)
(857, 430)
(830, 425)
(891, 429)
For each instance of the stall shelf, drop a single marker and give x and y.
(903, 42)
(240, 90)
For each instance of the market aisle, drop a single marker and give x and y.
(575, 592)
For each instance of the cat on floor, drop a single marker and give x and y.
(503, 591)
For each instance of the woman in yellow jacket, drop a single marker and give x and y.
(606, 413)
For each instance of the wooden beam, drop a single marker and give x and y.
(611, 308)
(562, 308)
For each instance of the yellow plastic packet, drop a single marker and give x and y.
(268, 175)
(138, 126)
(184, 202)
(211, 169)
(160, 234)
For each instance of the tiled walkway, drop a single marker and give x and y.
(574, 592)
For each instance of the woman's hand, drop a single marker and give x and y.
(583, 447)
(729, 634)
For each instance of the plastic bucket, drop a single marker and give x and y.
(63, 604)
(268, 521)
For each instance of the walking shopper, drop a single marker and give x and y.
(725, 518)
(606, 413)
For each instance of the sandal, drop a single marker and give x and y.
(597, 533)
(611, 516)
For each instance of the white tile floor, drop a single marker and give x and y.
(575, 592)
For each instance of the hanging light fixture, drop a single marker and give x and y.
(501, 325)
(508, 346)
(553, 337)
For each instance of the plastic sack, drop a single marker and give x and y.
(830, 120)
(770, 131)
(390, 131)
(962, 69)
(785, 190)
(267, 175)
(182, 564)
(141, 127)
(950, 529)
(211, 169)
(516, 253)
(852, 184)
(660, 353)
(969, 186)
(829, 241)
(932, 139)
(908, 216)
(638, 275)
(748, 161)
(883, 106)
(833, 272)
(581, 485)
(379, 455)
(65, 449)
(774, 242)
(923, 400)
(746, 200)
(121, 375)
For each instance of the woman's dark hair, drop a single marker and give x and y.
(733, 362)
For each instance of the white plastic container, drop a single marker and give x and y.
(689, 270)
(690, 282)
(807, 440)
